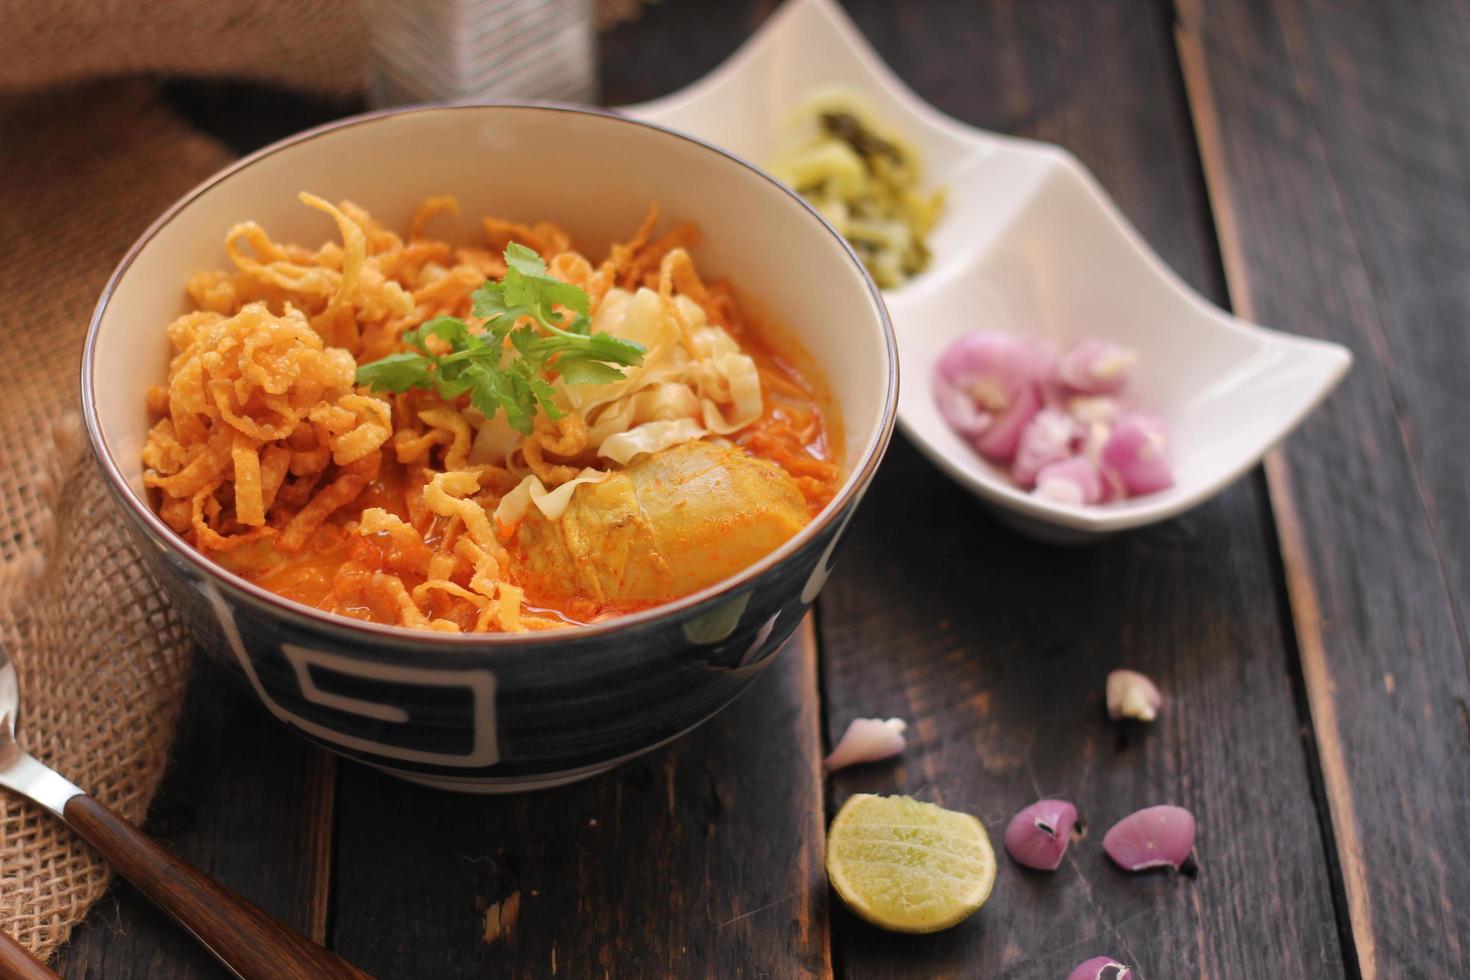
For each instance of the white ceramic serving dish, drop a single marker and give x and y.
(1029, 244)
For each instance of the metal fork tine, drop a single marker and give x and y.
(9, 693)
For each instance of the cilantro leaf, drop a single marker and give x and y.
(529, 286)
(526, 261)
(396, 372)
(488, 302)
(447, 328)
(521, 308)
(579, 372)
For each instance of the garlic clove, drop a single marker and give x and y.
(867, 740)
(1096, 367)
(1050, 437)
(1071, 481)
(1154, 837)
(1133, 456)
(1132, 695)
(1100, 968)
(1038, 835)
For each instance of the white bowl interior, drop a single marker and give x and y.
(1062, 268)
(1031, 245)
(595, 175)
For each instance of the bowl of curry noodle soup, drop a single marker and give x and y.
(491, 445)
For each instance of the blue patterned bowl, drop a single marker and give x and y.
(501, 712)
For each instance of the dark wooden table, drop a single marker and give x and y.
(1305, 162)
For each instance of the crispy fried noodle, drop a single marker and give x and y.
(413, 504)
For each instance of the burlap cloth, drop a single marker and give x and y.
(85, 166)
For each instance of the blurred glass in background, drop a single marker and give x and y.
(434, 50)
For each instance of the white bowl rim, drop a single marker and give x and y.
(857, 480)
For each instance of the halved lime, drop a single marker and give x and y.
(909, 866)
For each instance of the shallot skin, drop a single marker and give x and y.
(1038, 835)
(1100, 968)
(1154, 837)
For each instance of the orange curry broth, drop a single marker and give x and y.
(799, 431)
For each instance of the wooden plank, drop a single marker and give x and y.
(701, 859)
(247, 802)
(671, 44)
(1336, 151)
(996, 648)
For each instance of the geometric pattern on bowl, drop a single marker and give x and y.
(496, 713)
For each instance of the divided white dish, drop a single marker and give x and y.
(1031, 245)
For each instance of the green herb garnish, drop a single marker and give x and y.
(510, 377)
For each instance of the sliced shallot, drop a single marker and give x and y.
(1038, 835)
(1133, 456)
(985, 387)
(1096, 367)
(867, 740)
(1101, 968)
(1071, 481)
(1050, 437)
(1017, 402)
(1000, 441)
(1154, 837)
(1094, 409)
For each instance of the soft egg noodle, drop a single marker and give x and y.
(412, 510)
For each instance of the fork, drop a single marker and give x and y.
(251, 944)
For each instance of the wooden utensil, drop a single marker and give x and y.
(16, 962)
(248, 942)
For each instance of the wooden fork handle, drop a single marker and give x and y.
(16, 962)
(245, 939)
